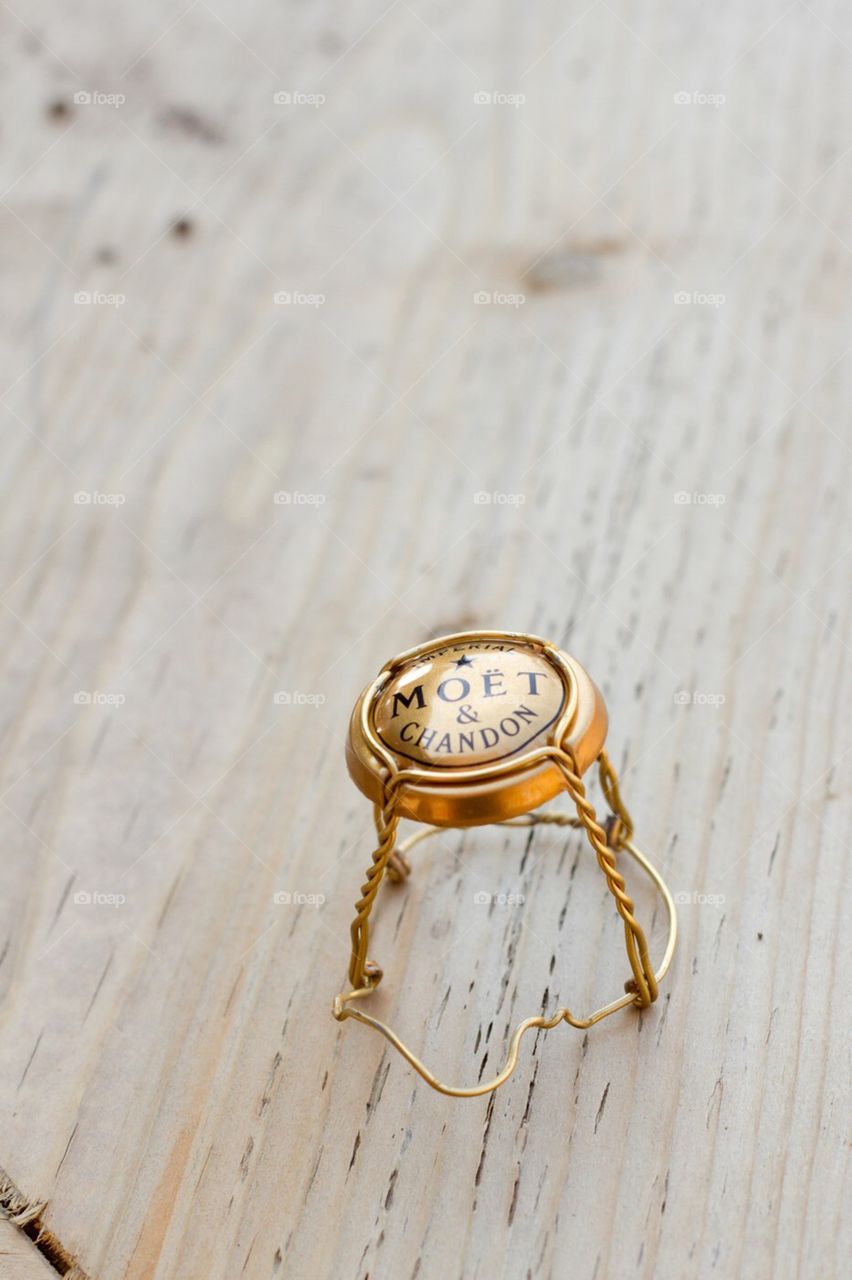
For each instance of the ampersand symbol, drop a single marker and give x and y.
(466, 714)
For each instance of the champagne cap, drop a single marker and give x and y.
(470, 722)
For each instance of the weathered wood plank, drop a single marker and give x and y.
(173, 1088)
(19, 1259)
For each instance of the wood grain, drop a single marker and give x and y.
(18, 1259)
(667, 496)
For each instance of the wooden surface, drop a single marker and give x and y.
(176, 1100)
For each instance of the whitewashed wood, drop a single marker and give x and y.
(19, 1259)
(172, 1085)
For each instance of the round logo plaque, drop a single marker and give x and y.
(467, 721)
(469, 703)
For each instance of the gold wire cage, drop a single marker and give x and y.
(505, 791)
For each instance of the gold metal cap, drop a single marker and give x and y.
(468, 721)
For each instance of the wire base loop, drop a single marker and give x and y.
(346, 1004)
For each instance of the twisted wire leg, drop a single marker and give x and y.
(345, 1004)
(644, 980)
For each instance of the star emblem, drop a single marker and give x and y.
(464, 661)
